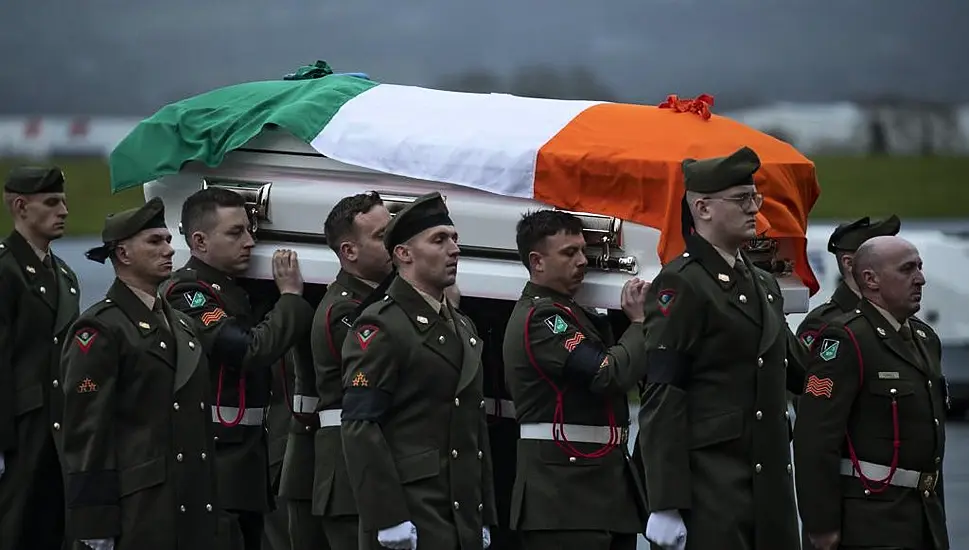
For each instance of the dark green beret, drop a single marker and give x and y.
(126, 224)
(847, 237)
(30, 180)
(716, 174)
(425, 212)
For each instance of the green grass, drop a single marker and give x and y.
(89, 198)
(911, 187)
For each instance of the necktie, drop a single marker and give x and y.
(47, 262)
(159, 312)
(906, 333)
(742, 270)
(446, 314)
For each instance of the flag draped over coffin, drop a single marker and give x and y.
(603, 158)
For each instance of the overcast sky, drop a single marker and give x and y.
(131, 57)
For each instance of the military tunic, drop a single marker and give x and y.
(37, 306)
(554, 349)
(714, 432)
(863, 371)
(842, 301)
(241, 385)
(136, 431)
(414, 427)
(276, 534)
(332, 493)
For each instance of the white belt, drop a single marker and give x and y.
(330, 417)
(252, 417)
(305, 404)
(505, 406)
(575, 433)
(902, 478)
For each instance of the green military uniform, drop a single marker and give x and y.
(276, 523)
(866, 368)
(38, 303)
(574, 487)
(242, 384)
(332, 493)
(491, 318)
(847, 238)
(136, 430)
(714, 432)
(414, 428)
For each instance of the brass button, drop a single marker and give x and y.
(787, 415)
(191, 345)
(790, 468)
(179, 457)
(867, 492)
(743, 299)
(785, 362)
(482, 404)
(572, 459)
(55, 383)
(181, 508)
(204, 456)
(457, 505)
(457, 402)
(441, 339)
(57, 426)
(202, 405)
(930, 382)
(73, 290)
(926, 494)
(308, 428)
(759, 415)
(480, 455)
(43, 290)
(454, 453)
(473, 342)
(162, 345)
(216, 438)
(208, 507)
(480, 507)
(758, 468)
(938, 459)
(760, 361)
(936, 421)
(175, 406)
(56, 340)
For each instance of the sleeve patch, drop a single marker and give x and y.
(194, 299)
(556, 324)
(85, 339)
(807, 337)
(213, 316)
(665, 300)
(819, 387)
(365, 335)
(87, 386)
(829, 349)
(572, 342)
(360, 380)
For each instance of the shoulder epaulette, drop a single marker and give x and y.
(681, 261)
(847, 318)
(100, 307)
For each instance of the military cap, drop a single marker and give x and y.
(425, 212)
(716, 174)
(126, 224)
(847, 237)
(29, 180)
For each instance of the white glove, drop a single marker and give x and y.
(666, 529)
(485, 536)
(100, 544)
(3, 465)
(399, 537)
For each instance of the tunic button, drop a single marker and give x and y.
(482, 404)
(175, 406)
(441, 339)
(936, 421)
(308, 428)
(162, 345)
(181, 508)
(926, 494)
(867, 492)
(759, 415)
(201, 405)
(204, 456)
(473, 342)
(43, 290)
(179, 457)
(480, 455)
(457, 402)
(785, 362)
(456, 505)
(57, 426)
(789, 468)
(758, 468)
(572, 460)
(930, 382)
(55, 383)
(208, 507)
(454, 453)
(787, 415)
(938, 460)
(56, 340)
(191, 345)
(480, 507)
(760, 361)
(73, 290)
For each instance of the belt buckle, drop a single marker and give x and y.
(927, 481)
(624, 435)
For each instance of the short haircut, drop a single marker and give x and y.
(535, 227)
(199, 209)
(339, 223)
(866, 257)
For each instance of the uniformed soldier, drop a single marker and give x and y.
(354, 231)
(38, 302)
(414, 428)
(844, 241)
(714, 431)
(870, 434)
(574, 487)
(136, 432)
(275, 534)
(217, 230)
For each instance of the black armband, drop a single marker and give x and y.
(231, 344)
(100, 488)
(667, 366)
(362, 403)
(584, 361)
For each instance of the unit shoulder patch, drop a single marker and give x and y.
(194, 299)
(556, 324)
(829, 349)
(665, 299)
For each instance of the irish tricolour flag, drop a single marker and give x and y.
(607, 158)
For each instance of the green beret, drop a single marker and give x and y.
(126, 224)
(425, 212)
(30, 180)
(847, 237)
(716, 174)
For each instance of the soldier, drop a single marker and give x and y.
(217, 230)
(574, 486)
(870, 435)
(414, 428)
(38, 303)
(354, 231)
(714, 431)
(136, 433)
(843, 243)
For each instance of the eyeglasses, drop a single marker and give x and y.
(744, 201)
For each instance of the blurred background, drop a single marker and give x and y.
(875, 92)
